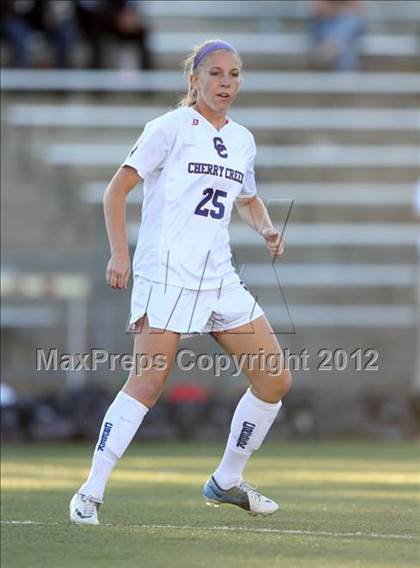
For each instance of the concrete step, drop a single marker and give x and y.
(76, 176)
(339, 253)
(311, 203)
(265, 11)
(336, 295)
(330, 213)
(173, 81)
(343, 275)
(336, 137)
(269, 125)
(289, 320)
(324, 163)
(332, 234)
(268, 156)
(283, 320)
(289, 50)
(337, 175)
(305, 194)
(325, 241)
(279, 44)
(292, 99)
(302, 62)
(29, 139)
(256, 119)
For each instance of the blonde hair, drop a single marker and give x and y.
(191, 97)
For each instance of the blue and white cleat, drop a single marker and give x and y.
(84, 509)
(244, 496)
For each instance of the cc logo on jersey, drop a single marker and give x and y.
(220, 147)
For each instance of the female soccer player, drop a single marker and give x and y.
(195, 162)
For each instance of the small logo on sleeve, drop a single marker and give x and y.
(133, 150)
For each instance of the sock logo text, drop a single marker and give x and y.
(244, 436)
(105, 436)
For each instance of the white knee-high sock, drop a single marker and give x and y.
(250, 424)
(119, 426)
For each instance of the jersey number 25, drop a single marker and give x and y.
(218, 207)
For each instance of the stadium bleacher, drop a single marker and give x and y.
(344, 147)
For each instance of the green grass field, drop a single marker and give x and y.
(343, 504)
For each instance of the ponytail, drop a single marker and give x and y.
(191, 97)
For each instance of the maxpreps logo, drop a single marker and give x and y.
(244, 436)
(105, 436)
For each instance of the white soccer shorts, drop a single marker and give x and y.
(192, 311)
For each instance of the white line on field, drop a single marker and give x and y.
(279, 531)
(222, 528)
(25, 523)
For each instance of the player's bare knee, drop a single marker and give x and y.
(149, 393)
(286, 381)
(145, 389)
(279, 385)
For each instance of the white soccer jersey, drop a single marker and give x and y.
(192, 174)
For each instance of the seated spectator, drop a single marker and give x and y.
(53, 18)
(120, 19)
(336, 29)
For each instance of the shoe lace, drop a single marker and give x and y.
(245, 486)
(89, 505)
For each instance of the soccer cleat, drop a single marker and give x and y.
(244, 496)
(84, 509)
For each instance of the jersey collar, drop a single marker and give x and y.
(199, 116)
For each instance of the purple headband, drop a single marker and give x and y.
(213, 46)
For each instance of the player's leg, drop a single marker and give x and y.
(254, 414)
(123, 418)
(269, 382)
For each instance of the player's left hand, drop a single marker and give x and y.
(274, 241)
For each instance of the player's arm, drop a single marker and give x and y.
(119, 266)
(253, 211)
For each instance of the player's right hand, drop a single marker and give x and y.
(118, 271)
